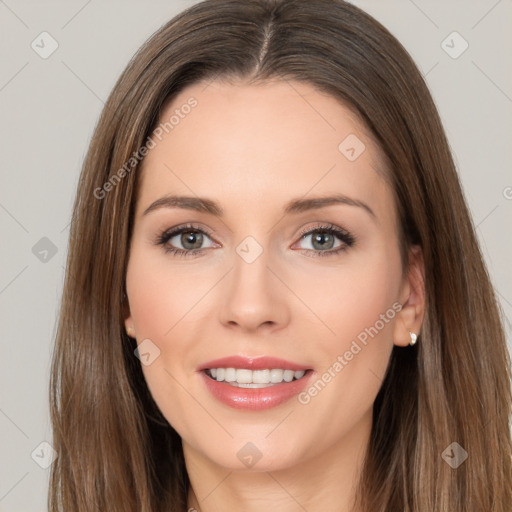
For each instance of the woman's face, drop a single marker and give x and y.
(262, 278)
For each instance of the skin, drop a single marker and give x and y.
(252, 148)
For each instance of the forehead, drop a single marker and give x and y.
(261, 144)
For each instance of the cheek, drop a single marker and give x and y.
(160, 304)
(158, 307)
(159, 297)
(357, 307)
(352, 297)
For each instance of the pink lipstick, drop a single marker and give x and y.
(254, 383)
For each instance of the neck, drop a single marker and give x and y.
(326, 481)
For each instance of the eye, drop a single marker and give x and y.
(190, 237)
(323, 238)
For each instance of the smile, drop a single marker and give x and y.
(244, 378)
(254, 383)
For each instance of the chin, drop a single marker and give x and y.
(258, 455)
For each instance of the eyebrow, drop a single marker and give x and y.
(295, 206)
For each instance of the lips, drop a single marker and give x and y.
(263, 396)
(252, 363)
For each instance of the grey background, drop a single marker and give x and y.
(49, 108)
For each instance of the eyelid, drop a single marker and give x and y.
(180, 228)
(322, 226)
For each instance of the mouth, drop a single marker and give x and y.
(254, 383)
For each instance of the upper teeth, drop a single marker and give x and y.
(244, 376)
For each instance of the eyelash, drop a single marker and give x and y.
(347, 238)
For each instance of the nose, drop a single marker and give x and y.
(254, 296)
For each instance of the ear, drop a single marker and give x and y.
(412, 298)
(128, 322)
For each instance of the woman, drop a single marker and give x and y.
(242, 370)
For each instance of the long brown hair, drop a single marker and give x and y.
(116, 451)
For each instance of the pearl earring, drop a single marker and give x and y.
(413, 338)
